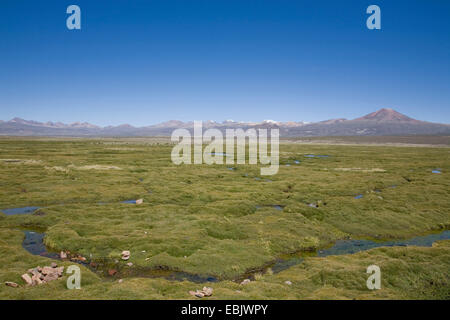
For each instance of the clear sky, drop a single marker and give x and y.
(144, 62)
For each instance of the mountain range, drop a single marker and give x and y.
(378, 123)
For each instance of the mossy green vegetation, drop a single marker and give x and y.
(208, 220)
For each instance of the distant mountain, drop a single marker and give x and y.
(383, 122)
(50, 124)
(378, 123)
(170, 124)
(332, 121)
(386, 115)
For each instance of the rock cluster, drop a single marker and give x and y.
(245, 281)
(38, 275)
(73, 257)
(205, 292)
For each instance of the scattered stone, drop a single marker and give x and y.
(192, 293)
(34, 271)
(246, 281)
(288, 282)
(27, 279)
(126, 255)
(112, 272)
(207, 291)
(47, 270)
(36, 279)
(120, 280)
(11, 284)
(139, 201)
(146, 259)
(130, 264)
(51, 277)
(197, 294)
(60, 271)
(63, 255)
(53, 265)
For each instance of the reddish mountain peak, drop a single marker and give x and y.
(387, 114)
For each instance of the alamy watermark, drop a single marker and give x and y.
(74, 20)
(74, 280)
(374, 20)
(374, 280)
(235, 139)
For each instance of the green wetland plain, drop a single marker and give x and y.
(215, 225)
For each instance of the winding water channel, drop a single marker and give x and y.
(34, 244)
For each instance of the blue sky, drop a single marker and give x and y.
(143, 62)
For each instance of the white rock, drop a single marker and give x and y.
(197, 294)
(36, 279)
(27, 279)
(47, 270)
(207, 291)
(126, 255)
(60, 271)
(51, 277)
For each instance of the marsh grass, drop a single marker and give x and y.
(203, 219)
